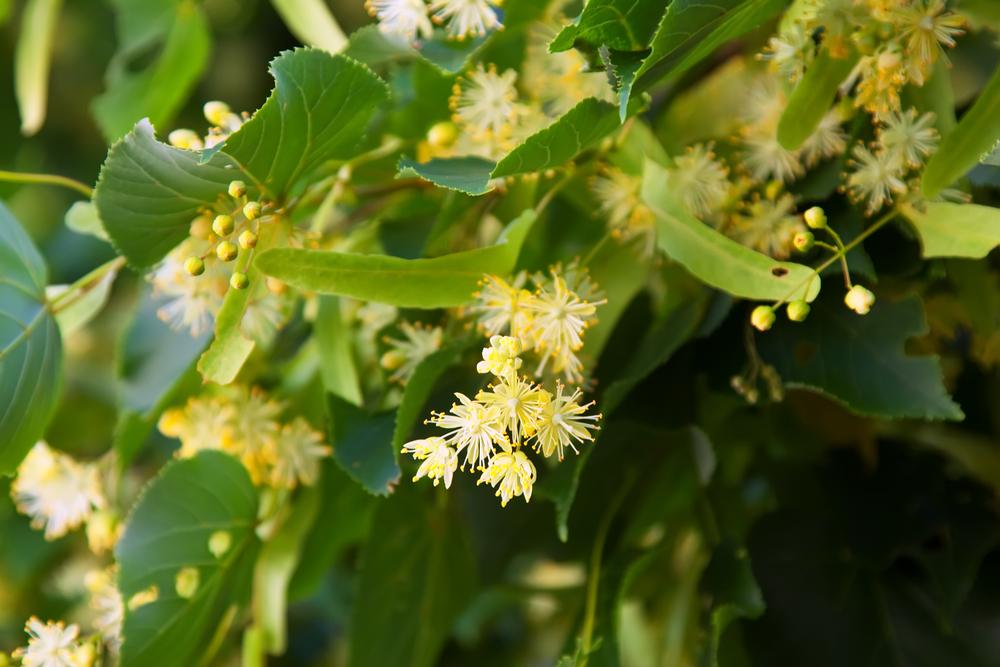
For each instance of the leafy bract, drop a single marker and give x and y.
(186, 507)
(373, 47)
(30, 346)
(976, 135)
(812, 97)
(230, 348)
(437, 282)
(149, 192)
(956, 230)
(313, 23)
(32, 59)
(613, 25)
(416, 558)
(580, 128)
(861, 361)
(180, 32)
(716, 259)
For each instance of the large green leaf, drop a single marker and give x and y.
(32, 59)
(813, 97)
(180, 32)
(716, 259)
(417, 574)
(362, 445)
(613, 24)
(956, 230)
(187, 507)
(149, 192)
(438, 282)
(861, 361)
(30, 346)
(976, 135)
(580, 128)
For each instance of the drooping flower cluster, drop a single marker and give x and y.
(549, 320)
(247, 424)
(492, 432)
(411, 19)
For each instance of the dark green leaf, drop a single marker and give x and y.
(362, 445)
(813, 97)
(860, 360)
(30, 346)
(470, 175)
(417, 574)
(616, 25)
(716, 259)
(170, 529)
(976, 135)
(438, 282)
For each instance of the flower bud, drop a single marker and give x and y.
(762, 318)
(201, 227)
(251, 210)
(103, 529)
(392, 360)
(239, 280)
(275, 286)
(216, 112)
(803, 241)
(773, 189)
(248, 239)
(222, 225)
(237, 189)
(859, 299)
(194, 265)
(186, 139)
(226, 251)
(797, 311)
(442, 135)
(815, 218)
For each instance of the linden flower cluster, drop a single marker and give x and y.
(495, 429)
(549, 320)
(194, 277)
(246, 423)
(405, 354)
(411, 19)
(898, 41)
(55, 644)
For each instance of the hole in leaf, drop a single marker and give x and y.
(779, 271)
(804, 352)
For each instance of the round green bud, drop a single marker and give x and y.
(252, 210)
(237, 189)
(442, 135)
(248, 239)
(803, 241)
(797, 311)
(762, 317)
(194, 265)
(226, 251)
(815, 218)
(239, 280)
(859, 299)
(222, 225)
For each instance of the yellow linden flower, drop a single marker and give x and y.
(472, 427)
(519, 404)
(559, 317)
(466, 18)
(512, 474)
(56, 491)
(882, 76)
(406, 18)
(501, 358)
(190, 302)
(562, 422)
(252, 430)
(500, 306)
(108, 606)
(875, 177)
(298, 450)
(484, 101)
(699, 181)
(618, 195)
(201, 424)
(926, 28)
(52, 644)
(438, 459)
(909, 136)
(828, 140)
(767, 225)
(406, 353)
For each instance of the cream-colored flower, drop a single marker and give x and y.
(519, 404)
(485, 101)
(500, 306)
(875, 178)
(512, 474)
(699, 181)
(406, 18)
(466, 18)
(617, 193)
(908, 135)
(563, 422)
(298, 450)
(827, 141)
(438, 459)
(471, 427)
(108, 606)
(53, 644)
(767, 225)
(405, 354)
(559, 318)
(56, 491)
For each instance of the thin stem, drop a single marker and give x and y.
(47, 179)
(77, 290)
(553, 191)
(877, 225)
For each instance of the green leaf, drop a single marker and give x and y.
(148, 193)
(611, 23)
(230, 348)
(373, 47)
(716, 259)
(313, 23)
(334, 338)
(956, 230)
(318, 111)
(32, 59)
(621, 270)
(735, 593)
(976, 135)
(861, 361)
(155, 366)
(170, 529)
(418, 390)
(692, 29)
(438, 282)
(30, 346)
(813, 97)
(560, 487)
(580, 128)
(278, 559)
(179, 32)
(362, 445)
(82, 218)
(417, 574)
